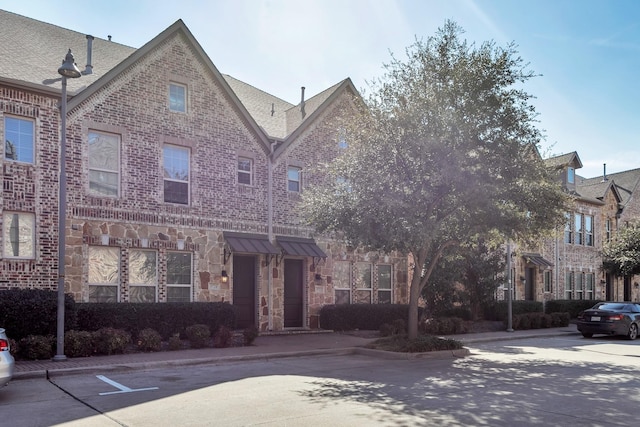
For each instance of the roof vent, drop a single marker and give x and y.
(604, 173)
(89, 68)
(302, 103)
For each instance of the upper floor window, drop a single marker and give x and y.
(177, 97)
(567, 228)
(588, 230)
(19, 139)
(245, 170)
(294, 181)
(608, 229)
(104, 163)
(571, 175)
(342, 140)
(176, 162)
(578, 229)
(342, 282)
(18, 235)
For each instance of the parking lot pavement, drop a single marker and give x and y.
(265, 347)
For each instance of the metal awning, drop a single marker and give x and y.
(248, 243)
(299, 246)
(538, 260)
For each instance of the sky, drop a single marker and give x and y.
(586, 52)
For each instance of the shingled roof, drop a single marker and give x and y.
(625, 183)
(32, 51)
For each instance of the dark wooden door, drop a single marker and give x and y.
(530, 284)
(244, 289)
(293, 293)
(627, 288)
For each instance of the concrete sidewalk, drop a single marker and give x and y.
(265, 347)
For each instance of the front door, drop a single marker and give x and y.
(244, 290)
(293, 293)
(627, 288)
(609, 289)
(530, 284)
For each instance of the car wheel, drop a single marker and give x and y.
(633, 332)
(587, 334)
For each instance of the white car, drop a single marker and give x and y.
(6, 359)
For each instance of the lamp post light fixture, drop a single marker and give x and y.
(70, 70)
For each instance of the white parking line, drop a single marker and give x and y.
(123, 389)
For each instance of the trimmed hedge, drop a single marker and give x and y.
(573, 306)
(540, 320)
(348, 317)
(25, 312)
(498, 310)
(166, 318)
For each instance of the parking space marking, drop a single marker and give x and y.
(123, 389)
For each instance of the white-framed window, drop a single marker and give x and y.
(177, 97)
(245, 170)
(104, 163)
(571, 175)
(342, 282)
(18, 235)
(385, 294)
(143, 275)
(579, 285)
(588, 230)
(294, 179)
(608, 229)
(179, 277)
(590, 280)
(548, 281)
(579, 231)
(567, 228)
(176, 161)
(568, 285)
(104, 274)
(364, 289)
(342, 139)
(19, 139)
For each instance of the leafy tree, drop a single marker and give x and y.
(621, 255)
(444, 148)
(476, 265)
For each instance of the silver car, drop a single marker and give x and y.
(6, 359)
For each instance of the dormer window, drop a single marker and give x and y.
(571, 175)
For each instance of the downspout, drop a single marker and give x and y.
(557, 272)
(270, 234)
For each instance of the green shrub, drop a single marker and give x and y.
(559, 320)
(499, 309)
(175, 343)
(149, 340)
(78, 343)
(348, 317)
(461, 312)
(26, 312)
(111, 341)
(443, 326)
(387, 330)
(199, 335)
(540, 320)
(166, 318)
(222, 338)
(546, 321)
(573, 307)
(36, 347)
(423, 343)
(250, 334)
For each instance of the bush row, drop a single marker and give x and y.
(25, 312)
(540, 320)
(573, 307)
(348, 317)
(107, 341)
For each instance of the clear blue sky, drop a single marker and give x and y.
(587, 51)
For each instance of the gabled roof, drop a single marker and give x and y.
(569, 159)
(596, 190)
(625, 183)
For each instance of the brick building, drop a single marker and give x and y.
(568, 264)
(182, 183)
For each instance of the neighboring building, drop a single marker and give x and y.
(569, 266)
(182, 182)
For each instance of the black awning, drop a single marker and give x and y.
(537, 259)
(300, 247)
(250, 243)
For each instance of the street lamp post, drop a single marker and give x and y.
(68, 69)
(509, 290)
